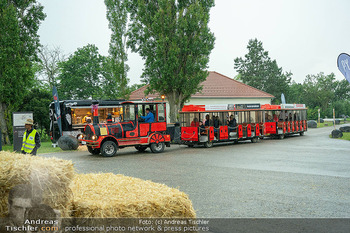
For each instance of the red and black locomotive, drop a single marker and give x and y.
(128, 130)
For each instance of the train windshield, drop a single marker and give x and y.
(129, 112)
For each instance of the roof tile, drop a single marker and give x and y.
(216, 85)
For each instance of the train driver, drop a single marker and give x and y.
(149, 118)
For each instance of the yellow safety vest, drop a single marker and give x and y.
(28, 142)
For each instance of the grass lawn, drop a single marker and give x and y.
(330, 123)
(346, 136)
(45, 148)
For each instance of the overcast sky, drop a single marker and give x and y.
(303, 36)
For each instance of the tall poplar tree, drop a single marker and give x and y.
(175, 41)
(117, 16)
(19, 45)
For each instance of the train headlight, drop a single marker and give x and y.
(80, 137)
(94, 137)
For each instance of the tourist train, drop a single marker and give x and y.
(201, 125)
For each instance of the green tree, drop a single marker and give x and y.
(37, 100)
(175, 41)
(295, 93)
(117, 16)
(82, 74)
(19, 43)
(342, 90)
(319, 90)
(258, 70)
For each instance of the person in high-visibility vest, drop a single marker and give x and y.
(31, 139)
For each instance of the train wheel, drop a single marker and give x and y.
(254, 140)
(191, 146)
(93, 151)
(157, 147)
(301, 133)
(156, 138)
(208, 144)
(281, 136)
(109, 149)
(141, 148)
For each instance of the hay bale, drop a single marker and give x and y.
(50, 177)
(109, 195)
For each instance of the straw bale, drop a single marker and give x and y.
(49, 178)
(82, 148)
(108, 195)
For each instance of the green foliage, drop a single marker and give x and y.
(19, 43)
(38, 101)
(117, 16)
(323, 92)
(82, 74)
(175, 41)
(342, 90)
(258, 70)
(319, 90)
(295, 93)
(342, 107)
(312, 113)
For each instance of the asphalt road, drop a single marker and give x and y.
(299, 176)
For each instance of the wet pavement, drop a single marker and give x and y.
(299, 176)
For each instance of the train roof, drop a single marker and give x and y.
(240, 107)
(101, 103)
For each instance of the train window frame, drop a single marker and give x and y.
(133, 112)
(161, 112)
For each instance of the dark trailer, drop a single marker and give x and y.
(76, 114)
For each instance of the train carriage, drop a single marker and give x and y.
(205, 124)
(283, 120)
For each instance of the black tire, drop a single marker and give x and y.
(281, 136)
(141, 148)
(191, 146)
(254, 140)
(301, 133)
(208, 144)
(157, 147)
(109, 149)
(94, 151)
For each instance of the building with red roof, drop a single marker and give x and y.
(217, 89)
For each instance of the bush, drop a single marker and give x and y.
(312, 113)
